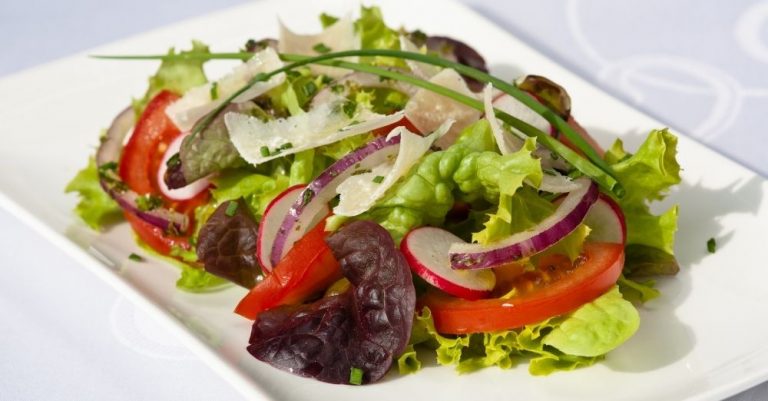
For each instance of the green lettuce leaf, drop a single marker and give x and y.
(96, 208)
(175, 75)
(563, 343)
(339, 149)
(597, 327)
(647, 176)
(192, 279)
(375, 34)
(637, 292)
(256, 189)
(470, 169)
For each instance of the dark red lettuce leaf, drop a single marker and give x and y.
(226, 244)
(364, 328)
(460, 52)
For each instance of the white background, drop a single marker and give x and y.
(700, 66)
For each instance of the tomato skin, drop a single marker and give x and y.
(138, 167)
(308, 268)
(145, 148)
(154, 236)
(597, 274)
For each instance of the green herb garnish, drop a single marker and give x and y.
(711, 245)
(214, 90)
(355, 376)
(264, 151)
(148, 202)
(321, 48)
(378, 179)
(231, 208)
(136, 258)
(174, 161)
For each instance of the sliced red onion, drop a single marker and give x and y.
(186, 192)
(569, 214)
(109, 153)
(315, 197)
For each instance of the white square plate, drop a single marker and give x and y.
(704, 338)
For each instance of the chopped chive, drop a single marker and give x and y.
(174, 161)
(108, 166)
(309, 89)
(592, 166)
(355, 376)
(136, 258)
(286, 145)
(378, 179)
(361, 171)
(214, 90)
(327, 20)
(337, 88)
(264, 151)
(711, 245)
(148, 202)
(321, 48)
(349, 108)
(231, 208)
(307, 196)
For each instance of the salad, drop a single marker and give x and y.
(378, 192)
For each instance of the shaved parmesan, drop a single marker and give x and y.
(553, 181)
(337, 37)
(428, 110)
(360, 192)
(258, 141)
(201, 100)
(506, 143)
(516, 108)
(421, 70)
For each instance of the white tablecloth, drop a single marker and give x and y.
(701, 66)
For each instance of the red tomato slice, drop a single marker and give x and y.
(558, 288)
(154, 236)
(308, 268)
(138, 168)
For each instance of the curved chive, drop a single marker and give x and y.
(594, 166)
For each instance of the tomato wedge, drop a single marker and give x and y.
(558, 288)
(308, 268)
(138, 168)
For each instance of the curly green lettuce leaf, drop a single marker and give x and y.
(339, 149)
(192, 279)
(375, 34)
(467, 169)
(256, 189)
(176, 75)
(96, 208)
(647, 176)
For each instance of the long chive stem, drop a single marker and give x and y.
(594, 166)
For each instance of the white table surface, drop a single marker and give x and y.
(700, 66)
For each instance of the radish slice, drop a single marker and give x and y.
(315, 197)
(606, 221)
(270, 223)
(566, 218)
(200, 100)
(426, 250)
(258, 141)
(186, 192)
(553, 181)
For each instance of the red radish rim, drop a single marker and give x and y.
(263, 248)
(433, 278)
